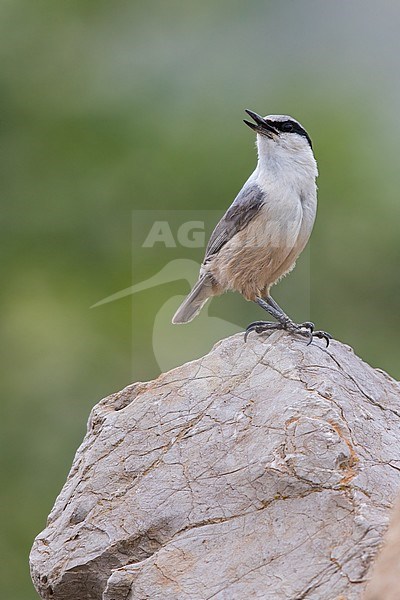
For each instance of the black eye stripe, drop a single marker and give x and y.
(291, 127)
(287, 126)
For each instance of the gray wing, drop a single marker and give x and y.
(243, 209)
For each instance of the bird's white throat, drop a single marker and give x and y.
(291, 163)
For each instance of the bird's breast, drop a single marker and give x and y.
(268, 246)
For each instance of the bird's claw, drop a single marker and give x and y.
(305, 329)
(260, 326)
(323, 335)
(308, 325)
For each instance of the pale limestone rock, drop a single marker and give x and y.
(263, 470)
(385, 576)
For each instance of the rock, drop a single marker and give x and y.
(262, 470)
(385, 576)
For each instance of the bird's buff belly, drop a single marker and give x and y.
(250, 265)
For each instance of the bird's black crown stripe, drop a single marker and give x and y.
(290, 127)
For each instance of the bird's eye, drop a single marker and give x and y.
(287, 126)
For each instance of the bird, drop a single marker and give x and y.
(263, 232)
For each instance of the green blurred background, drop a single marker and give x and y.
(111, 107)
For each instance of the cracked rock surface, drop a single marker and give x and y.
(263, 470)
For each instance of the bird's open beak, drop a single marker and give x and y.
(260, 125)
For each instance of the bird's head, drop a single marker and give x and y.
(281, 136)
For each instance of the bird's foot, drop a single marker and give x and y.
(260, 327)
(308, 325)
(322, 335)
(304, 329)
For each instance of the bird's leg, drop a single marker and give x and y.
(275, 311)
(307, 324)
(284, 322)
(270, 305)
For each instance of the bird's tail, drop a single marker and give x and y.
(194, 302)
